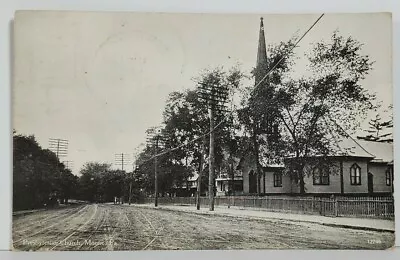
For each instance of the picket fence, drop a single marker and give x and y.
(367, 207)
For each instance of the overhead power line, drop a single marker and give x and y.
(347, 134)
(122, 159)
(215, 96)
(68, 164)
(231, 112)
(59, 147)
(289, 51)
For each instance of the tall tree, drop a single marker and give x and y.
(186, 122)
(313, 110)
(224, 84)
(91, 180)
(68, 184)
(380, 129)
(37, 174)
(215, 88)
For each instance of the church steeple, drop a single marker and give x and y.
(261, 65)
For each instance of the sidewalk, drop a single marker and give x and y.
(25, 212)
(354, 223)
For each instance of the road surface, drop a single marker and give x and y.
(123, 227)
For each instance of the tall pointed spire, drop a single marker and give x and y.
(261, 65)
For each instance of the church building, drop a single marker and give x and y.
(358, 166)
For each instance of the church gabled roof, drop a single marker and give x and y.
(382, 151)
(350, 147)
(347, 146)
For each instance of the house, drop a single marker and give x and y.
(226, 185)
(356, 167)
(229, 180)
(188, 188)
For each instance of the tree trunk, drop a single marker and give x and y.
(301, 181)
(299, 167)
(256, 155)
(232, 178)
(211, 163)
(300, 175)
(130, 192)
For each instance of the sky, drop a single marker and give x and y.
(100, 80)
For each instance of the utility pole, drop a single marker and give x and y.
(216, 94)
(153, 138)
(60, 148)
(155, 173)
(130, 183)
(211, 163)
(200, 173)
(121, 159)
(68, 164)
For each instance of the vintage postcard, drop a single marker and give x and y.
(161, 131)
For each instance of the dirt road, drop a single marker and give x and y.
(116, 227)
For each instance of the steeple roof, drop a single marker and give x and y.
(262, 64)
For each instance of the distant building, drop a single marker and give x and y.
(226, 184)
(188, 188)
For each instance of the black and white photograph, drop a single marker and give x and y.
(188, 131)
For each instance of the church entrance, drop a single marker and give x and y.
(370, 183)
(252, 182)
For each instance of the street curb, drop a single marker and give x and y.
(358, 227)
(270, 219)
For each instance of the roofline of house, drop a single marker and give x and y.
(331, 156)
(382, 162)
(273, 167)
